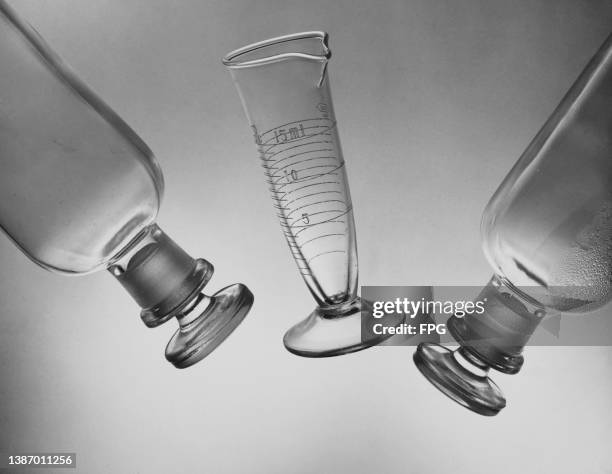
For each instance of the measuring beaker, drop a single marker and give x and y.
(284, 86)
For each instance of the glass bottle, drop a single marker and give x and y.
(80, 192)
(547, 233)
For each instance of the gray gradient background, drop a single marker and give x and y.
(435, 101)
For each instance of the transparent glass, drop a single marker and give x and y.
(548, 226)
(284, 86)
(80, 191)
(547, 232)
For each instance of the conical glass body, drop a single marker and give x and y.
(285, 90)
(77, 183)
(547, 232)
(80, 191)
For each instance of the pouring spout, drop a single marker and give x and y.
(309, 45)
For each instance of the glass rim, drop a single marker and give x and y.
(231, 59)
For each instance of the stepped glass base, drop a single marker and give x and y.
(327, 334)
(463, 382)
(221, 314)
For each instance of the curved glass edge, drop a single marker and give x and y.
(231, 59)
(499, 200)
(68, 76)
(502, 197)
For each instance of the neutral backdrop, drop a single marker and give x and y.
(435, 101)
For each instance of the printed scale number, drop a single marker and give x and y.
(307, 183)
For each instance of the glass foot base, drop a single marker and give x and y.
(475, 392)
(198, 338)
(324, 335)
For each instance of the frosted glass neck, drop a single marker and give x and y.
(161, 277)
(498, 335)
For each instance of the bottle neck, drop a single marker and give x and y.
(498, 335)
(161, 277)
